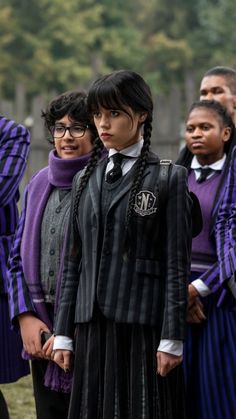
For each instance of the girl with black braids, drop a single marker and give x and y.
(123, 296)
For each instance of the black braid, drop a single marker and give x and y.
(92, 163)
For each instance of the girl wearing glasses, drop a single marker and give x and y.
(38, 248)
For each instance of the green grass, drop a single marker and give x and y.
(20, 399)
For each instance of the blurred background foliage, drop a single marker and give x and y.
(59, 45)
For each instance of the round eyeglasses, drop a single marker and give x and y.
(76, 131)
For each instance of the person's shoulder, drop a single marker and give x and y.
(8, 123)
(4, 120)
(14, 132)
(173, 168)
(39, 175)
(178, 170)
(77, 178)
(153, 158)
(179, 167)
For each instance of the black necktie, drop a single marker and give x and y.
(203, 174)
(116, 172)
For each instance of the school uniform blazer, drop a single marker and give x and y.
(226, 225)
(148, 284)
(14, 150)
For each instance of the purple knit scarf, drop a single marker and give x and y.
(59, 174)
(62, 171)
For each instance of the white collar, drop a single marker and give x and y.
(133, 150)
(217, 165)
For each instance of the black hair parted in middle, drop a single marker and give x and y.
(120, 90)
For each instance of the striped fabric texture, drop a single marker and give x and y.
(132, 289)
(14, 149)
(226, 225)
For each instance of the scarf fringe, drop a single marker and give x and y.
(56, 379)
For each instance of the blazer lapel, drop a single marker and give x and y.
(95, 183)
(95, 186)
(126, 185)
(128, 179)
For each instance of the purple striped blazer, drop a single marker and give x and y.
(14, 150)
(226, 226)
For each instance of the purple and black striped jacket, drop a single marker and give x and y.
(226, 226)
(14, 150)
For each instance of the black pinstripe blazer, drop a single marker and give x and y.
(147, 286)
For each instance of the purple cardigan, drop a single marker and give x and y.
(24, 286)
(217, 276)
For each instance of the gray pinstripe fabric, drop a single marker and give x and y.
(148, 287)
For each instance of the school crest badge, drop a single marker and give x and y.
(145, 203)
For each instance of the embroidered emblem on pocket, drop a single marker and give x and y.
(145, 203)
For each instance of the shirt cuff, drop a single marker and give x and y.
(63, 342)
(201, 287)
(173, 347)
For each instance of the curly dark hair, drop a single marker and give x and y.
(72, 103)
